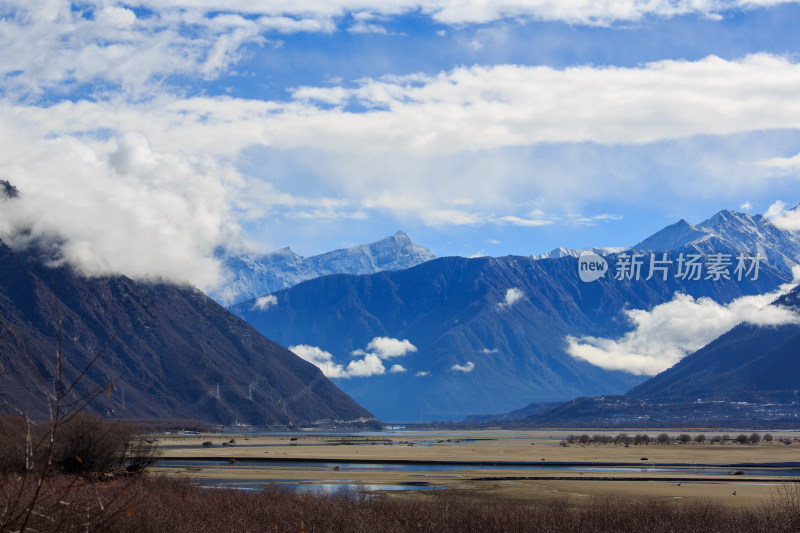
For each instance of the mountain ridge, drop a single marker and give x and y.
(261, 274)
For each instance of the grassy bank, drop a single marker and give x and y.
(151, 504)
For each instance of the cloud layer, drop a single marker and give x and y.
(664, 335)
(163, 179)
(129, 159)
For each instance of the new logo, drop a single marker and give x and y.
(591, 266)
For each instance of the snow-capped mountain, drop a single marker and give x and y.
(733, 232)
(574, 252)
(489, 333)
(257, 275)
(725, 232)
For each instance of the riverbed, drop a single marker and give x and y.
(514, 464)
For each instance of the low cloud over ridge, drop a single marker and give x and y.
(666, 334)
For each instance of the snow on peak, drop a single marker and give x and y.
(257, 275)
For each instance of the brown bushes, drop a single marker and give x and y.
(155, 505)
(85, 444)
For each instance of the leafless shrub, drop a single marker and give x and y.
(69, 441)
(161, 504)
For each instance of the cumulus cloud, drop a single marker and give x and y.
(422, 373)
(265, 302)
(369, 362)
(513, 295)
(664, 335)
(783, 218)
(320, 358)
(386, 347)
(467, 368)
(119, 206)
(370, 365)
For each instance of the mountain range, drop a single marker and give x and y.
(254, 275)
(726, 232)
(732, 232)
(488, 333)
(166, 351)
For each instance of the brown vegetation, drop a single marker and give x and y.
(160, 504)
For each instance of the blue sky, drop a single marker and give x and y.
(144, 135)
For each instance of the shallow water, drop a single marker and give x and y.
(196, 466)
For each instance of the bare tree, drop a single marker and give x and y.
(70, 441)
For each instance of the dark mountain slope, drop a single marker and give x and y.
(177, 353)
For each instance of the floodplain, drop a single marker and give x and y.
(523, 465)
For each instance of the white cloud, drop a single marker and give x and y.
(488, 351)
(320, 358)
(513, 295)
(119, 205)
(467, 368)
(265, 302)
(362, 27)
(370, 365)
(469, 108)
(79, 157)
(664, 335)
(470, 11)
(385, 347)
(464, 124)
(57, 42)
(422, 374)
(783, 218)
(788, 164)
(747, 206)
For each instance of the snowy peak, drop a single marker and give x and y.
(256, 275)
(574, 252)
(731, 232)
(395, 252)
(674, 236)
